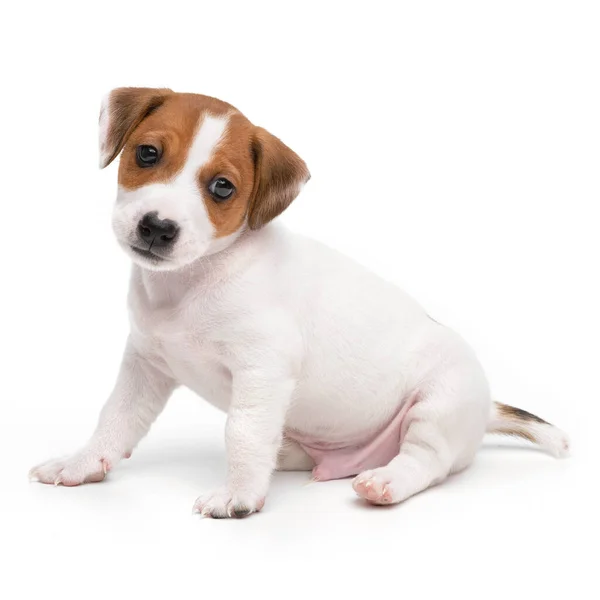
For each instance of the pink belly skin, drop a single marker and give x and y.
(338, 460)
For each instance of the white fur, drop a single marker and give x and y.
(282, 333)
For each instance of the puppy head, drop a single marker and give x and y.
(194, 173)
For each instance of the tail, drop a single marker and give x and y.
(508, 420)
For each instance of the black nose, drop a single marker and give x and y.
(157, 232)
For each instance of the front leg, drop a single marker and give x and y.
(140, 394)
(260, 398)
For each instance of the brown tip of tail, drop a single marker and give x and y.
(518, 414)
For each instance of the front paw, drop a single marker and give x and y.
(86, 466)
(223, 504)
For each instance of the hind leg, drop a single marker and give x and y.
(445, 429)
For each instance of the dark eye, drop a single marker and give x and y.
(146, 156)
(221, 189)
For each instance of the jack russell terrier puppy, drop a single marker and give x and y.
(318, 363)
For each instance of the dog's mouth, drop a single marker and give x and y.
(148, 254)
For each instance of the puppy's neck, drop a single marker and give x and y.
(163, 289)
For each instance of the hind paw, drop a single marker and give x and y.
(374, 486)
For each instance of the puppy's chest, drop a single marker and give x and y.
(185, 345)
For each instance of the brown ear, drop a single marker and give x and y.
(279, 175)
(122, 111)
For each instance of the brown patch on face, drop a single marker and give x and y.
(518, 414)
(232, 159)
(171, 129)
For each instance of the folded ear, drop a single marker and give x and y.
(121, 112)
(278, 178)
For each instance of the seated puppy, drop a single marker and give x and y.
(318, 363)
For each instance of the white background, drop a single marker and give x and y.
(454, 149)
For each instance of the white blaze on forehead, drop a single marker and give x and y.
(185, 186)
(206, 140)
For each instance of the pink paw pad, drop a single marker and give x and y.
(373, 490)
